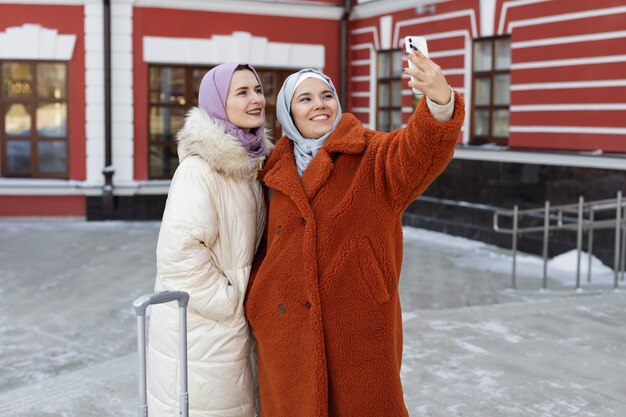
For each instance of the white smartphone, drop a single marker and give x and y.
(420, 43)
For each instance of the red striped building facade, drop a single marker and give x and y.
(544, 82)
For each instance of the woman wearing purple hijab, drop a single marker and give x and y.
(212, 225)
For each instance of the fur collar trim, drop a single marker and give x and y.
(205, 137)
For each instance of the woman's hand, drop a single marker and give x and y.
(428, 78)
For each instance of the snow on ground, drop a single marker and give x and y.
(528, 352)
(67, 292)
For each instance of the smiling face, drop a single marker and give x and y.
(245, 103)
(314, 108)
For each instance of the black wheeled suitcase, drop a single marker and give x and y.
(140, 305)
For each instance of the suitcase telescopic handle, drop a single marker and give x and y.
(144, 301)
(140, 305)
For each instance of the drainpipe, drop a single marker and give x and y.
(343, 54)
(108, 171)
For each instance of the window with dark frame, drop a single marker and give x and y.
(389, 90)
(34, 119)
(173, 90)
(491, 91)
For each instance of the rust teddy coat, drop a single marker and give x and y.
(324, 304)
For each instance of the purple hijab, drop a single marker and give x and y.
(212, 99)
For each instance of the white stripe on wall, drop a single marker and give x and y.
(568, 84)
(360, 62)
(360, 94)
(360, 110)
(450, 52)
(570, 39)
(567, 107)
(360, 78)
(409, 92)
(569, 62)
(569, 129)
(442, 35)
(454, 71)
(48, 186)
(566, 16)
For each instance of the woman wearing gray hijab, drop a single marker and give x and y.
(324, 304)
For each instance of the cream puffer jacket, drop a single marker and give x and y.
(212, 225)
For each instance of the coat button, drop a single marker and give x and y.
(278, 229)
(308, 305)
(281, 308)
(303, 221)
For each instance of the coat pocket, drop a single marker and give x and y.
(358, 268)
(374, 274)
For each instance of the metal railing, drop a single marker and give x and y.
(581, 217)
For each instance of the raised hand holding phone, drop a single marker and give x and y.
(426, 76)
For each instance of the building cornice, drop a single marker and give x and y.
(238, 46)
(58, 187)
(383, 7)
(46, 2)
(270, 8)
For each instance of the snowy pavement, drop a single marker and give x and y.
(560, 356)
(473, 347)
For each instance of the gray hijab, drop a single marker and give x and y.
(304, 149)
